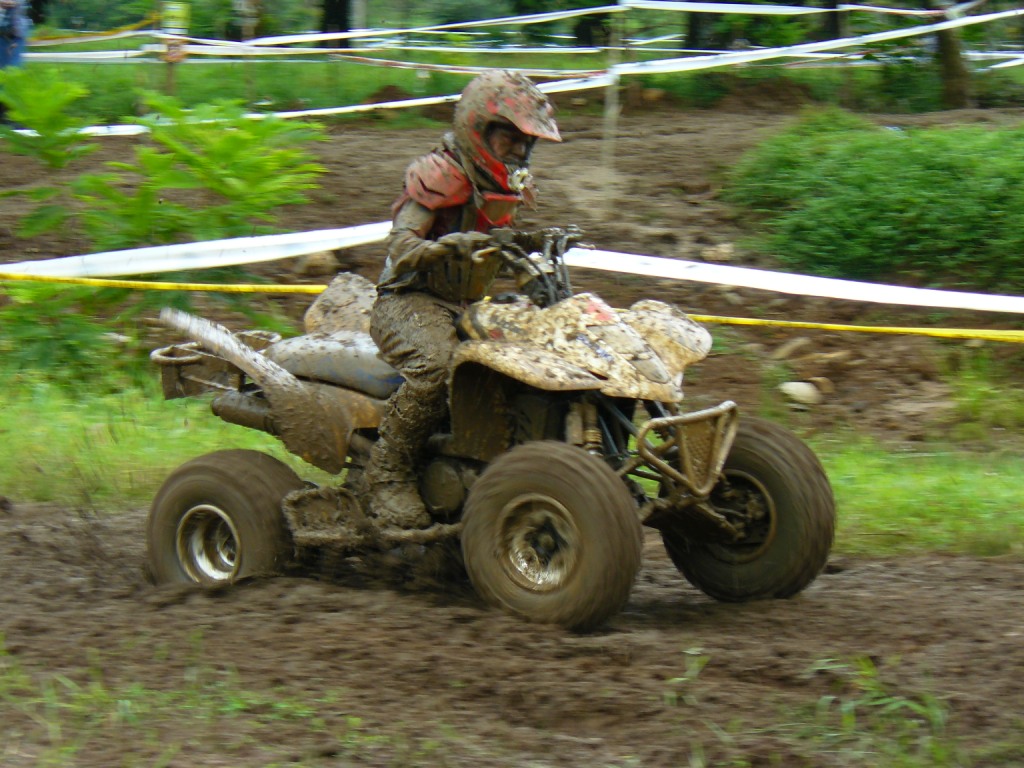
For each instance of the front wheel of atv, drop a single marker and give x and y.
(552, 534)
(218, 518)
(775, 488)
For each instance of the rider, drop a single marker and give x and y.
(453, 197)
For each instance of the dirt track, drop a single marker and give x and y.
(390, 671)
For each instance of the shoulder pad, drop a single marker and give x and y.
(435, 181)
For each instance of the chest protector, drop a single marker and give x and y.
(438, 183)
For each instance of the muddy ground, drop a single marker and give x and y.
(355, 665)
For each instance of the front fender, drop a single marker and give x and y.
(531, 365)
(548, 370)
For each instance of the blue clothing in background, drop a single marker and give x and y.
(15, 27)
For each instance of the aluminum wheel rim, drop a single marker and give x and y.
(207, 544)
(539, 542)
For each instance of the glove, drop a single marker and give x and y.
(536, 241)
(465, 244)
(537, 291)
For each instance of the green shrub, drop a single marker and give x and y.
(41, 102)
(841, 197)
(53, 332)
(243, 170)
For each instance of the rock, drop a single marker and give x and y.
(718, 253)
(825, 358)
(317, 264)
(733, 298)
(802, 392)
(791, 346)
(824, 385)
(753, 348)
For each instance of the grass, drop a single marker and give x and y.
(54, 718)
(895, 502)
(108, 450)
(862, 719)
(278, 85)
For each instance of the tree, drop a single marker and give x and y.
(956, 80)
(336, 18)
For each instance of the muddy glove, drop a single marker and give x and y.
(465, 244)
(536, 241)
(539, 292)
(454, 245)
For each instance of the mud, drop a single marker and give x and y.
(382, 663)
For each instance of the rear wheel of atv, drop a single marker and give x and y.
(552, 534)
(775, 488)
(218, 518)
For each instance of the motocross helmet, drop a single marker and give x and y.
(494, 99)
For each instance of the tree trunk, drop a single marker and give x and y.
(835, 24)
(956, 79)
(335, 18)
(37, 10)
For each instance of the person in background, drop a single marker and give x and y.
(15, 26)
(436, 265)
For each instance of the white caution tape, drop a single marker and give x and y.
(205, 255)
(744, 8)
(532, 18)
(1011, 63)
(764, 10)
(249, 250)
(783, 282)
(84, 57)
(691, 63)
(462, 70)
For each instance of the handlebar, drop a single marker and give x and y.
(548, 277)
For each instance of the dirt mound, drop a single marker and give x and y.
(769, 95)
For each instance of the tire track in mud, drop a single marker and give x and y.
(416, 661)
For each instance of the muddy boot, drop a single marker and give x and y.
(394, 498)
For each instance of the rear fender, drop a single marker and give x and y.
(315, 421)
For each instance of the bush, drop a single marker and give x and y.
(839, 196)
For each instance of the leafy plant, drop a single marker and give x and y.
(45, 327)
(40, 102)
(844, 198)
(681, 691)
(863, 714)
(213, 173)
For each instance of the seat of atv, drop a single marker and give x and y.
(346, 358)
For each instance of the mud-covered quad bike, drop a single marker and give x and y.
(565, 435)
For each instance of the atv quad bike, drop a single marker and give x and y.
(565, 435)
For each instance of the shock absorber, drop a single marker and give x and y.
(592, 438)
(583, 429)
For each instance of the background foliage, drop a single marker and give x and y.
(837, 195)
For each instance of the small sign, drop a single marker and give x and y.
(174, 18)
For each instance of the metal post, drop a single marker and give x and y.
(611, 98)
(358, 14)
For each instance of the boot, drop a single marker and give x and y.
(390, 475)
(394, 498)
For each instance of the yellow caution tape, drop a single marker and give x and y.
(944, 333)
(83, 36)
(146, 285)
